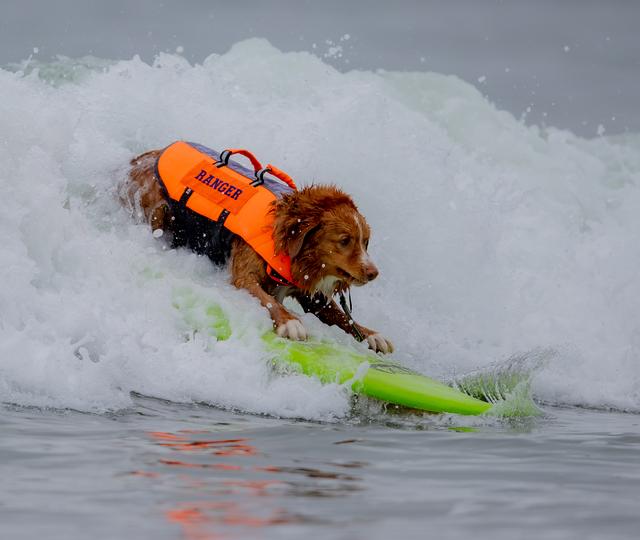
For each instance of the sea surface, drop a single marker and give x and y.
(505, 250)
(163, 470)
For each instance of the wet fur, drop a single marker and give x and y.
(310, 225)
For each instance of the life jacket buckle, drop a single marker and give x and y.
(260, 176)
(224, 159)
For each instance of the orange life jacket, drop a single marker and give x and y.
(229, 194)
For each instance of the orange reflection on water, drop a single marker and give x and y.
(203, 519)
(145, 474)
(256, 487)
(165, 435)
(193, 521)
(198, 519)
(220, 466)
(220, 447)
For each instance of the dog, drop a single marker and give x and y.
(319, 227)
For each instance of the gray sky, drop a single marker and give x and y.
(576, 63)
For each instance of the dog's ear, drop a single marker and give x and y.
(298, 234)
(293, 224)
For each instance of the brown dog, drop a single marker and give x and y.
(319, 227)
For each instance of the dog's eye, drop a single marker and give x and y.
(345, 241)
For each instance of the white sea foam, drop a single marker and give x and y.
(491, 237)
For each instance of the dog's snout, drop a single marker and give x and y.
(371, 272)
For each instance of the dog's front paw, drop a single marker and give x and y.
(379, 343)
(292, 329)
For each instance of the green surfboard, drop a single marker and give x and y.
(371, 375)
(365, 373)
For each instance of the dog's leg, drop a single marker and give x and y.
(285, 324)
(329, 313)
(247, 272)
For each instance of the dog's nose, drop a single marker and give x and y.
(372, 273)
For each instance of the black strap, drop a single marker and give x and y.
(347, 311)
(185, 196)
(260, 176)
(224, 159)
(223, 216)
(275, 276)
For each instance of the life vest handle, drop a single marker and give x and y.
(257, 167)
(226, 154)
(281, 175)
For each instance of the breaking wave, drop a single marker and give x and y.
(493, 238)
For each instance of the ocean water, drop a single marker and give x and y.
(194, 472)
(496, 242)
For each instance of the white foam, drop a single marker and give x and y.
(491, 237)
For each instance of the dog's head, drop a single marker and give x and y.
(320, 228)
